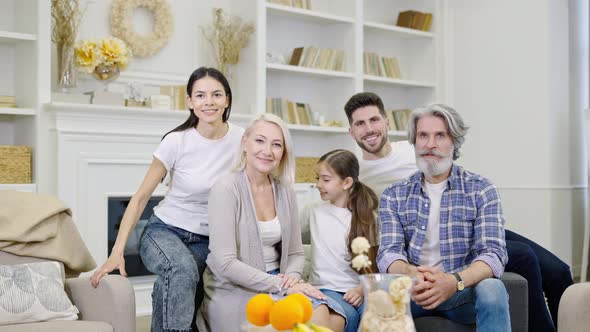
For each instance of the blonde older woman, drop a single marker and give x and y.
(255, 237)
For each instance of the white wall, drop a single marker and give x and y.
(508, 75)
(506, 72)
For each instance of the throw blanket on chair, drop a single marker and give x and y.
(41, 226)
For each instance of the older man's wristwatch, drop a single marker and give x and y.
(460, 283)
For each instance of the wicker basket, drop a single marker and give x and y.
(305, 169)
(15, 164)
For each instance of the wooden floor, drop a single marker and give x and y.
(143, 323)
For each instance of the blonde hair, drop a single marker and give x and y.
(285, 173)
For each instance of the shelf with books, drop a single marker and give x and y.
(306, 14)
(355, 28)
(399, 32)
(25, 51)
(18, 111)
(338, 130)
(9, 37)
(318, 129)
(397, 81)
(309, 71)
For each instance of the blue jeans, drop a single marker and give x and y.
(353, 314)
(330, 303)
(544, 272)
(486, 305)
(178, 258)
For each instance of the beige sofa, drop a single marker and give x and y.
(109, 307)
(574, 308)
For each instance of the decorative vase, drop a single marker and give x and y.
(387, 303)
(106, 73)
(65, 67)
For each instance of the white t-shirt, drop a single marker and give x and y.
(270, 234)
(397, 165)
(194, 163)
(330, 261)
(430, 254)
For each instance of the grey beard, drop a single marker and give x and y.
(432, 168)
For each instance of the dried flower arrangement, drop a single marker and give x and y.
(227, 35)
(360, 247)
(387, 308)
(65, 19)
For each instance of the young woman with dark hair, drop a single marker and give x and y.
(174, 244)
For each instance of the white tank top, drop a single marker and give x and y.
(270, 234)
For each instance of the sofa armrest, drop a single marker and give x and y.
(113, 301)
(574, 308)
(518, 292)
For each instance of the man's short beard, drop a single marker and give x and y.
(376, 149)
(430, 167)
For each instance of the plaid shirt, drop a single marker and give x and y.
(471, 222)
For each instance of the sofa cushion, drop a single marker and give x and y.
(76, 326)
(34, 292)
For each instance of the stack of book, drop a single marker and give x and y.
(376, 65)
(7, 102)
(304, 4)
(320, 58)
(398, 119)
(414, 20)
(292, 112)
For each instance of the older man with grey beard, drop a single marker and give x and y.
(383, 163)
(444, 213)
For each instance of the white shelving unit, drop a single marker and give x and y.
(26, 187)
(8, 37)
(355, 27)
(17, 111)
(25, 67)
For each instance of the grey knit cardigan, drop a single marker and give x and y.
(235, 266)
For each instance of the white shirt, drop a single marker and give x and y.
(430, 254)
(270, 234)
(330, 259)
(194, 163)
(397, 165)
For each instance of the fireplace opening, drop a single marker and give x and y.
(116, 208)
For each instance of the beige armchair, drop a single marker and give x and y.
(574, 308)
(109, 307)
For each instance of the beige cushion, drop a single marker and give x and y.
(34, 292)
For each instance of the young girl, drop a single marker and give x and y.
(348, 211)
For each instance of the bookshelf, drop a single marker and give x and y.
(354, 27)
(8, 37)
(18, 111)
(24, 61)
(305, 71)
